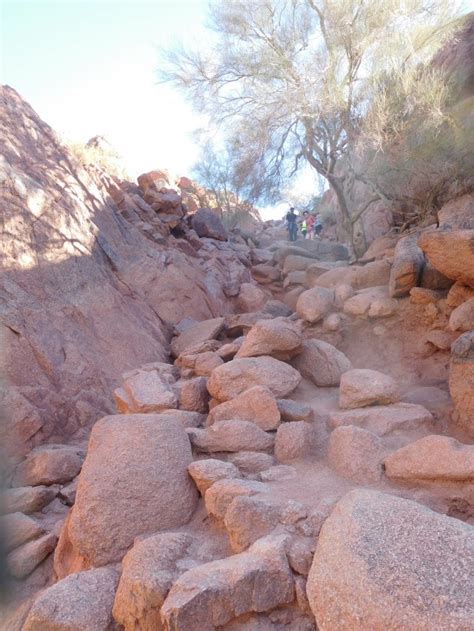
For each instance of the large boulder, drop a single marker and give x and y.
(134, 481)
(321, 363)
(314, 304)
(439, 459)
(451, 252)
(461, 383)
(211, 595)
(383, 562)
(257, 405)
(228, 381)
(279, 338)
(81, 601)
(148, 572)
(407, 267)
(362, 386)
(207, 223)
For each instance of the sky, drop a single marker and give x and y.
(89, 67)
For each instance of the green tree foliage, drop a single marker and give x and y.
(288, 81)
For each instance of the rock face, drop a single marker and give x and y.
(134, 481)
(451, 252)
(461, 383)
(104, 289)
(210, 596)
(228, 381)
(361, 387)
(322, 363)
(80, 601)
(383, 562)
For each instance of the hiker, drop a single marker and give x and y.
(310, 226)
(291, 224)
(304, 224)
(317, 226)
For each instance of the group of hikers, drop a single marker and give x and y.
(308, 224)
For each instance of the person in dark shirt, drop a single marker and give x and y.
(291, 224)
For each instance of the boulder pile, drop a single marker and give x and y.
(295, 453)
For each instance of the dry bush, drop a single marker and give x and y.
(102, 157)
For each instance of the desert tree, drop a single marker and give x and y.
(292, 81)
(215, 171)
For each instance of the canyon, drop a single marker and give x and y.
(207, 428)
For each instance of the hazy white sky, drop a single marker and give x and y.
(89, 67)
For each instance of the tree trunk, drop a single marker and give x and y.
(347, 225)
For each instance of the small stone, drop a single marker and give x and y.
(294, 410)
(356, 454)
(248, 518)
(81, 601)
(28, 499)
(278, 472)
(22, 561)
(294, 441)
(251, 462)
(256, 405)
(231, 435)
(361, 387)
(49, 464)
(18, 529)
(206, 472)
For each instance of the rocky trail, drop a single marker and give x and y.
(294, 451)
